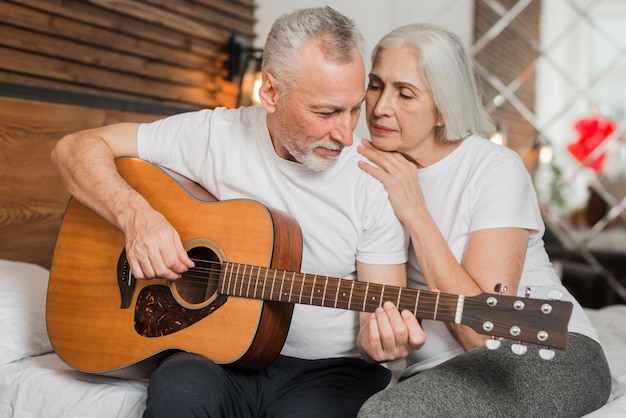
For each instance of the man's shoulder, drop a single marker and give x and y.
(240, 115)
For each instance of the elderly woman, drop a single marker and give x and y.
(472, 214)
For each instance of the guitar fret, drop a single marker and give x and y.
(342, 295)
(227, 279)
(271, 296)
(331, 283)
(382, 296)
(417, 298)
(230, 277)
(312, 289)
(301, 289)
(367, 288)
(256, 285)
(245, 281)
(239, 280)
(234, 282)
(248, 284)
(324, 293)
(266, 278)
(260, 293)
(280, 292)
(248, 279)
(293, 279)
(223, 277)
(351, 291)
(436, 306)
(392, 293)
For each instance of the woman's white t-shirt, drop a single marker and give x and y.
(481, 185)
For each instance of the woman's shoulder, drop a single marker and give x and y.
(485, 147)
(486, 159)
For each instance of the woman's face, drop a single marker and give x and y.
(401, 113)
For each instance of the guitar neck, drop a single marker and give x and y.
(315, 290)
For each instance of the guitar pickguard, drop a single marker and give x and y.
(157, 313)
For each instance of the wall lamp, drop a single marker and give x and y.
(244, 67)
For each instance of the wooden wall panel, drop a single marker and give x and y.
(68, 65)
(162, 51)
(32, 196)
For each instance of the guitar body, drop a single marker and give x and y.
(95, 307)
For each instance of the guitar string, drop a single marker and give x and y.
(201, 278)
(426, 297)
(446, 303)
(360, 297)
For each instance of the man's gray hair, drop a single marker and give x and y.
(341, 41)
(448, 73)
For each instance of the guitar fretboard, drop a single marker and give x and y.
(310, 289)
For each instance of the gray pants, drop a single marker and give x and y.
(484, 383)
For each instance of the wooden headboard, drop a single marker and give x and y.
(32, 196)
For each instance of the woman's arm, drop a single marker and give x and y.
(492, 256)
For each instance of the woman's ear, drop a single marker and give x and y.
(268, 92)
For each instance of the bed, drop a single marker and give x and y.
(34, 381)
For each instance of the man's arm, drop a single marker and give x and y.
(387, 334)
(86, 162)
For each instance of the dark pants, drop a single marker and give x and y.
(188, 385)
(484, 383)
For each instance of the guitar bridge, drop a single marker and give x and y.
(125, 281)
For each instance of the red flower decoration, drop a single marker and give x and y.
(591, 133)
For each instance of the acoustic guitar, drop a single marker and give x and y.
(235, 305)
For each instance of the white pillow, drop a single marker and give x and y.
(23, 288)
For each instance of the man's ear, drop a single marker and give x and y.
(268, 93)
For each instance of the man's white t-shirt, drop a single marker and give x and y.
(481, 185)
(343, 212)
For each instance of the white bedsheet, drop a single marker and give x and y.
(43, 386)
(611, 325)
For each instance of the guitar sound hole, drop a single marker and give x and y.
(199, 284)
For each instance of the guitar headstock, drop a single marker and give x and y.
(535, 321)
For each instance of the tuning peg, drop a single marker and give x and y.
(527, 292)
(519, 349)
(500, 288)
(555, 295)
(492, 344)
(546, 354)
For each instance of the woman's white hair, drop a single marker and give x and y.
(448, 74)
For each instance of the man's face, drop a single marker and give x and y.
(313, 121)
